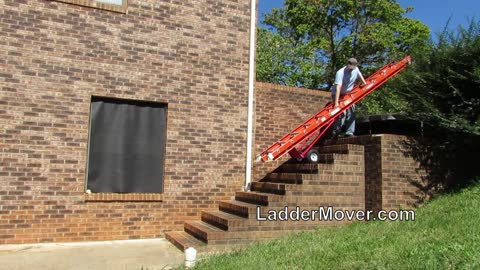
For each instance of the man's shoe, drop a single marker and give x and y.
(349, 135)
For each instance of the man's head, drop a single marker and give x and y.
(352, 63)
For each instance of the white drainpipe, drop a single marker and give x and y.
(251, 78)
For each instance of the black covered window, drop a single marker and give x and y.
(126, 146)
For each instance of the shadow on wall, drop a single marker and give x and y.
(448, 158)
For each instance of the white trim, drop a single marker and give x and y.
(251, 78)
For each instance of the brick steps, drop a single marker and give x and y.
(232, 223)
(247, 210)
(337, 181)
(253, 225)
(317, 195)
(212, 235)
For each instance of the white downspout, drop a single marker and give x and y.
(251, 78)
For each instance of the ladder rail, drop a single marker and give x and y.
(329, 112)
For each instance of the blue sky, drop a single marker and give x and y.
(433, 13)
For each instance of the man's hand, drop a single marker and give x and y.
(335, 104)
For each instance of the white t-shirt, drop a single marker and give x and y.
(346, 78)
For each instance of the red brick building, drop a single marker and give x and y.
(189, 56)
(79, 78)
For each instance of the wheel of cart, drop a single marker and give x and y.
(313, 156)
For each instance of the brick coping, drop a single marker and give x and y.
(133, 197)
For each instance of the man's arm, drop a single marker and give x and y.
(361, 77)
(338, 84)
(337, 94)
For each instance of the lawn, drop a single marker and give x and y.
(444, 235)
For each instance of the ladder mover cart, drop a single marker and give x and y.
(300, 141)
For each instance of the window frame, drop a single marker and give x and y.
(99, 5)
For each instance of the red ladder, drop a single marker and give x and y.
(301, 139)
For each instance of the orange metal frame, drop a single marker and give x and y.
(298, 141)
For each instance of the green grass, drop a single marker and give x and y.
(444, 235)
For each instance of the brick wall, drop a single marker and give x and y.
(278, 110)
(54, 56)
(402, 176)
(373, 169)
(394, 178)
(192, 55)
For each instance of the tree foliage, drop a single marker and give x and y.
(306, 41)
(443, 84)
(311, 39)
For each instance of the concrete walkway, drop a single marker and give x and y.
(116, 255)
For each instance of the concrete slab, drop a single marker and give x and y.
(119, 255)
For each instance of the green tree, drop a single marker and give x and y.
(285, 60)
(443, 83)
(321, 35)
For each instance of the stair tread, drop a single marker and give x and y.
(258, 197)
(205, 226)
(243, 204)
(185, 240)
(225, 215)
(291, 174)
(265, 194)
